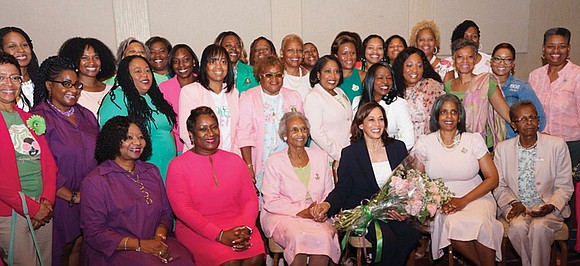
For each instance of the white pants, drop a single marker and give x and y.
(24, 251)
(532, 238)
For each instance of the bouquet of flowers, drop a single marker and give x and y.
(408, 191)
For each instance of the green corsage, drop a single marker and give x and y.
(37, 124)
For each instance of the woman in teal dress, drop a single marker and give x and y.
(137, 94)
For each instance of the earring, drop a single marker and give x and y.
(543, 55)
(285, 139)
(568, 57)
(435, 50)
(480, 47)
(191, 140)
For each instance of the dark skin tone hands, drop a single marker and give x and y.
(543, 211)
(238, 238)
(154, 246)
(306, 212)
(43, 216)
(453, 205)
(517, 210)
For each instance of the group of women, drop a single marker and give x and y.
(216, 142)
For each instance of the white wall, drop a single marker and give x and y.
(197, 23)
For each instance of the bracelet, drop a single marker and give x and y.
(138, 245)
(72, 199)
(249, 228)
(125, 245)
(250, 166)
(513, 202)
(162, 237)
(219, 239)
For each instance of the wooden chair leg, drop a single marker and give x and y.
(359, 257)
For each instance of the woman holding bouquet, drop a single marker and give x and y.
(364, 167)
(467, 221)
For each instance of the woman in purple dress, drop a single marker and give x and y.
(125, 214)
(71, 132)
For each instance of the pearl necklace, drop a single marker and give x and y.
(456, 140)
(68, 113)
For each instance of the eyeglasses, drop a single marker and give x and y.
(273, 75)
(13, 79)
(526, 119)
(68, 84)
(497, 60)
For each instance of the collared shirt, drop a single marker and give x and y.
(561, 100)
(515, 90)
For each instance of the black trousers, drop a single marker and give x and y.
(399, 239)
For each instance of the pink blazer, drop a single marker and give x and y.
(170, 89)
(194, 95)
(284, 194)
(553, 172)
(251, 125)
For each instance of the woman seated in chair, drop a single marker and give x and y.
(535, 185)
(295, 179)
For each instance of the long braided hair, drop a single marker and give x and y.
(136, 104)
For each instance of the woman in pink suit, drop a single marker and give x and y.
(295, 179)
(213, 198)
(214, 88)
(263, 107)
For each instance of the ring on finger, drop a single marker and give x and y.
(160, 253)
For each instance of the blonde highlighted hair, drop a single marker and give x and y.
(423, 25)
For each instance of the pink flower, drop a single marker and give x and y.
(401, 186)
(432, 209)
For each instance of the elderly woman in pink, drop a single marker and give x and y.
(263, 107)
(295, 179)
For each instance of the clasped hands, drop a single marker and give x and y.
(157, 248)
(43, 215)
(238, 238)
(519, 209)
(318, 212)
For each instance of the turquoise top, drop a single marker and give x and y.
(160, 77)
(352, 85)
(245, 79)
(162, 141)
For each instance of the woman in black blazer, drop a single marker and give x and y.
(364, 167)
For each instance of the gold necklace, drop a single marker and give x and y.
(137, 181)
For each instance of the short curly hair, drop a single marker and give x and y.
(74, 49)
(268, 61)
(113, 133)
(49, 70)
(426, 25)
(283, 129)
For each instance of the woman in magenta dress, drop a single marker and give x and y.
(214, 199)
(125, 214)
(71, 132)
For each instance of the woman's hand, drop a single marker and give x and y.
(156, 248)
(393, 215)
(238, 238)
(319, 211)
(43, 215)
(306, 212)
(453, 205)
(543, 211)
(517, 209)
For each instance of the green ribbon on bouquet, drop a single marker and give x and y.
(362, 231)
